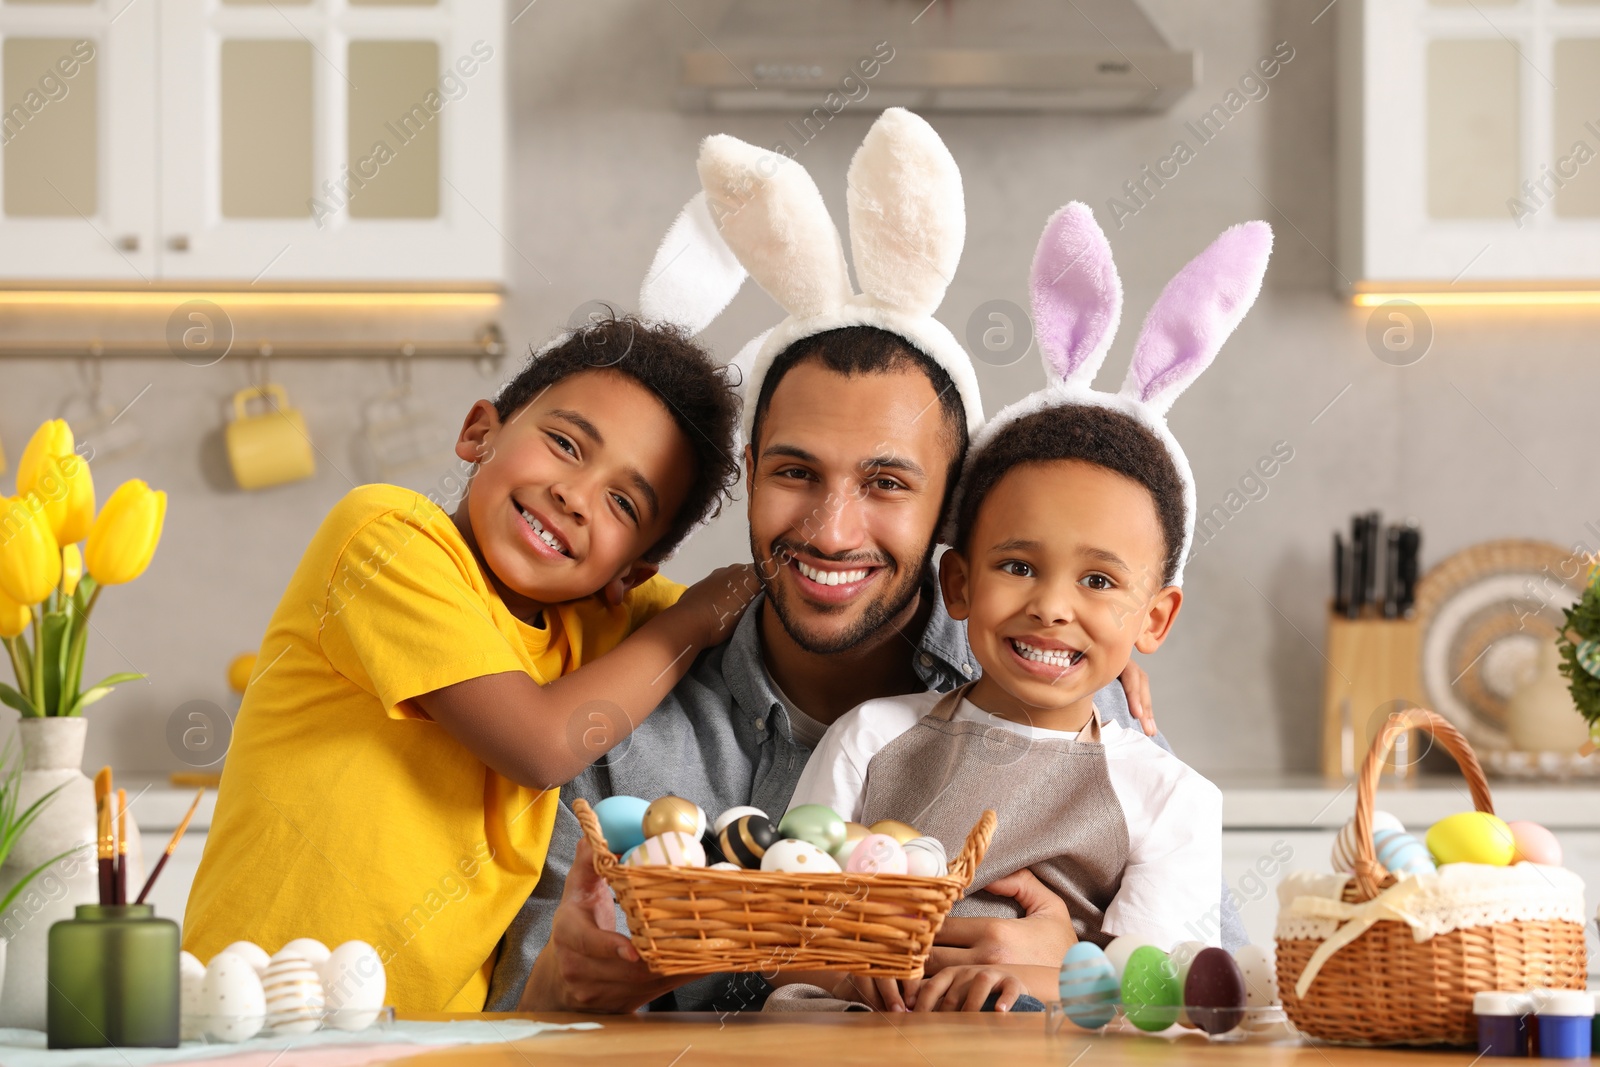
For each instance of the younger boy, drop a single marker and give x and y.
(395, 766)
(1068, 533)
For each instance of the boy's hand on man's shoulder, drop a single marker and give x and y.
(1136, 685)
(713, 605)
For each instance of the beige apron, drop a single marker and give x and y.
(1059, 815)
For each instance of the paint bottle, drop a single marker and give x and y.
(1502, 1023)
(1566, 1021)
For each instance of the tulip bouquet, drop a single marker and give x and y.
(43, 583)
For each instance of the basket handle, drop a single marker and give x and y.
(1371, 876)
(604, 862)
(966, 864)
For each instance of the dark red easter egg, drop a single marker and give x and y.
(1214, 993)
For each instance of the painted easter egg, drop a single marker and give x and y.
(1471, 837)
(354, 985)
(294, 996)
(1344, 846)
(745, 840)
(1402, 854)
(853, 833)
(723, 821)
(674, 815)
(1213, 992)
(792, 856)
(309, 949)
(900, 831)
(1183, 954)
(925, 858)
(1534, 844)
(1260, 973)
(816, 823)
(671, 849)
(1089, 987)
(232, 1004)
(621, 822)
(877, 854)
(1150, 990)
(251, 953)
(724, 866)
(191, 984)
(1119, 950)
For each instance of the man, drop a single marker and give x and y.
(857, 440)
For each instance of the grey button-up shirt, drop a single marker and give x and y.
(722, 739)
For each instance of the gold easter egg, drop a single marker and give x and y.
(901, 832)
(671, 814)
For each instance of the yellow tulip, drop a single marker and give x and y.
(71, 569)
(125, 534)
(49, 441)
(61, 479)
(14, 618)
(30, 559)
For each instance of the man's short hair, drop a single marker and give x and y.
(1099, 435)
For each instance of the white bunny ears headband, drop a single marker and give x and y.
(1077, 305)
(907, 226)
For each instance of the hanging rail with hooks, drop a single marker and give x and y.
(488, 344)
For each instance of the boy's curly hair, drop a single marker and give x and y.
(663, 359)
(1091, 433)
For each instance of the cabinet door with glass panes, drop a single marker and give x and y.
(1470, 141)
(332, 140)
(77, 141)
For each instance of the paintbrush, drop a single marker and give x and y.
(172, 846)
(122, 847)
(107, 845)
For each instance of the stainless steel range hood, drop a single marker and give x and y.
(948, 55)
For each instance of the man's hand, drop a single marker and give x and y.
(587, 965)
(1040, 938)
(967, 988)
(1136, 685)
(879, 994)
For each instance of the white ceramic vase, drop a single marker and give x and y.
(52, 751)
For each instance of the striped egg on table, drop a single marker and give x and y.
(1344, 846)
(746, 839)
(294, 997)
(1401, 854)
(1150, 991)
(671, 849)
(1088, 986)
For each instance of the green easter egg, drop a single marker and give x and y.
(1471, 837)
(1151, 992)
(816, 823)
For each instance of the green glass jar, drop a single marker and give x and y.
(113, 979)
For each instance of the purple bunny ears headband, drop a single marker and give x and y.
(1077, 305)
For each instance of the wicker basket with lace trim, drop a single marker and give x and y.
(1391, 961)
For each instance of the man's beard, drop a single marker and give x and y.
(902, 589)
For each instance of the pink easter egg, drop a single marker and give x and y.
(1534, 844)
(877, 854)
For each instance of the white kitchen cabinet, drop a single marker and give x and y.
(248, 142)
(1469, 143)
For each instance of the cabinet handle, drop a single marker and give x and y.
(128, 243)
(179, 243)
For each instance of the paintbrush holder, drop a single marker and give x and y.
(1373, 669)
(113, 979)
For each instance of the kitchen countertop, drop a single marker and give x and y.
(1249, 802)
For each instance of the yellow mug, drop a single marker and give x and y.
(270, 448)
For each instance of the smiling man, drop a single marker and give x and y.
(857, 439)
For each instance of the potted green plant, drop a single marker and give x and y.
(13, 824)
(1580, 655)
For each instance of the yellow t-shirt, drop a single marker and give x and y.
(344, 811)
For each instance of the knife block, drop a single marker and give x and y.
(1373, 668)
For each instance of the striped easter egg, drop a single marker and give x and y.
(1089, 987)
(671, 849)
(1401, 853)
(1344, 846)
(294, 995)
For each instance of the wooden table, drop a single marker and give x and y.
(882, 1040)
